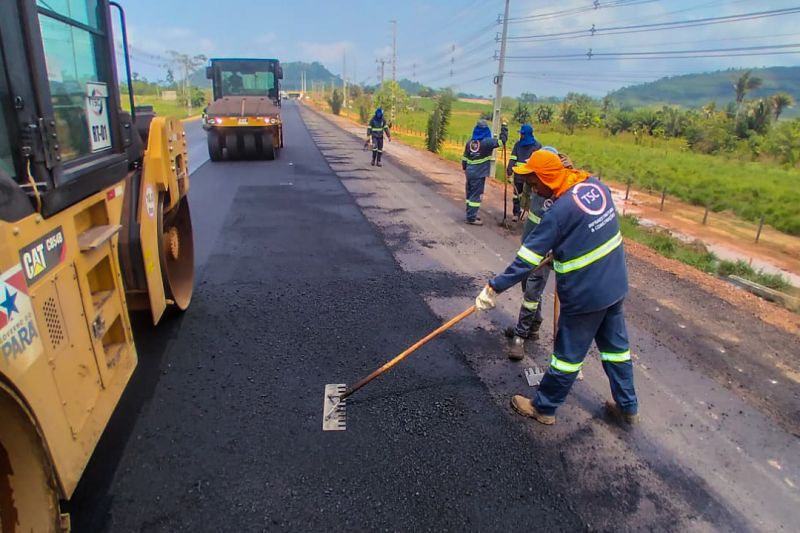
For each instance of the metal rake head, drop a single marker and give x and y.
(334, 413)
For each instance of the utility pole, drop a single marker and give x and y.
(381, 63)
(498, 82)
(394, 69)
(344, 79)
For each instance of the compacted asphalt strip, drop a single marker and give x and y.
(220, 429)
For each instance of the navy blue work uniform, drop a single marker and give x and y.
(476, 162)
(530, 312)
(519, 154)
(375, 130)
(582, 230)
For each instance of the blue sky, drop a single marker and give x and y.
(434, 38)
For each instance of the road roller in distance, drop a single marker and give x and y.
(94, 223)
(244, 120)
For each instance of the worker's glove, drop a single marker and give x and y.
(504, 133)
(486, 299)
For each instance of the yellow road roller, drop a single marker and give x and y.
(244, 120)
(94, 223)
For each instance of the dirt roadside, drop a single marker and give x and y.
(449, 176)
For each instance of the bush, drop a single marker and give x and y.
(336, 100)
(438, 121)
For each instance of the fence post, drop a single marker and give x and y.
(628, 189)
(663, 196)
(760, 227)
(705, 216)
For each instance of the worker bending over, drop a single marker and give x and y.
(522, 150)
(582, 230)
(375, 130)
(476, 163)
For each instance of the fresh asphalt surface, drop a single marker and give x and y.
(220, 429)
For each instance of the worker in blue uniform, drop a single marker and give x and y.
(522, 150)
(529, 320)
(582, 231)
(476, 163)
(376, 129)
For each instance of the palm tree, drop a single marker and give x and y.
(779, 102)
(744, 84)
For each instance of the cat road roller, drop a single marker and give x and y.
(94, 224)
(244, 121)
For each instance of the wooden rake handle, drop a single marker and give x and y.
(411, 349)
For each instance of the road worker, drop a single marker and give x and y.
(375, 130)
(582, 230)
(530, 312)
(522, 150)
(476, 163)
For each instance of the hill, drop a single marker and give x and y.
(696, 90)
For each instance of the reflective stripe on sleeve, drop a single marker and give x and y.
(530, 306)
(513, 158)
(618, 357)
(529, 256)
(589, 258)
(533, 218)
(564, 366)
(477, 161)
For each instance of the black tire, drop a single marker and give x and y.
(267, 148)
(250, 146)
(214, 146)
(232, 145)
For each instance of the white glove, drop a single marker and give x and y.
(486, 299)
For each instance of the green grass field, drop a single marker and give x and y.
(162, 108)
(748, 189)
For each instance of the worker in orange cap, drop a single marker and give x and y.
(582, 230)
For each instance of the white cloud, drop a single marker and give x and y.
(326, 52)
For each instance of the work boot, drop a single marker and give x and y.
(525, 407)
(379, 164)
(476, 222)
(516, 351)
(515, 218)
(613, 410)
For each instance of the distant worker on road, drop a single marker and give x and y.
(375, 131)
(476, 163)
(522, 150)
(582, 230)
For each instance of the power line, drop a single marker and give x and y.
(658, 26)
(575, 11)
(657, 53)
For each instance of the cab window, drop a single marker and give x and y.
(248, 82)
(73, 39)
(6, 154)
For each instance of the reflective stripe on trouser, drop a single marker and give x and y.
(518, 185)
(474, 193)
(573, 340)
(530, 312)
(377, 148)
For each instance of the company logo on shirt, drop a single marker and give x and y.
(590, 198)
(474, 146)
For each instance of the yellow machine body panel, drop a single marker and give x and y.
(65, 334)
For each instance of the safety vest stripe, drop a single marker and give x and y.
(564, 366)
(530, 306)
(529, 256)
(378, 129)
(587, 259)
(533, 218)
(473, 204)
(477, 161)
(513, 158)
(618, 357)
